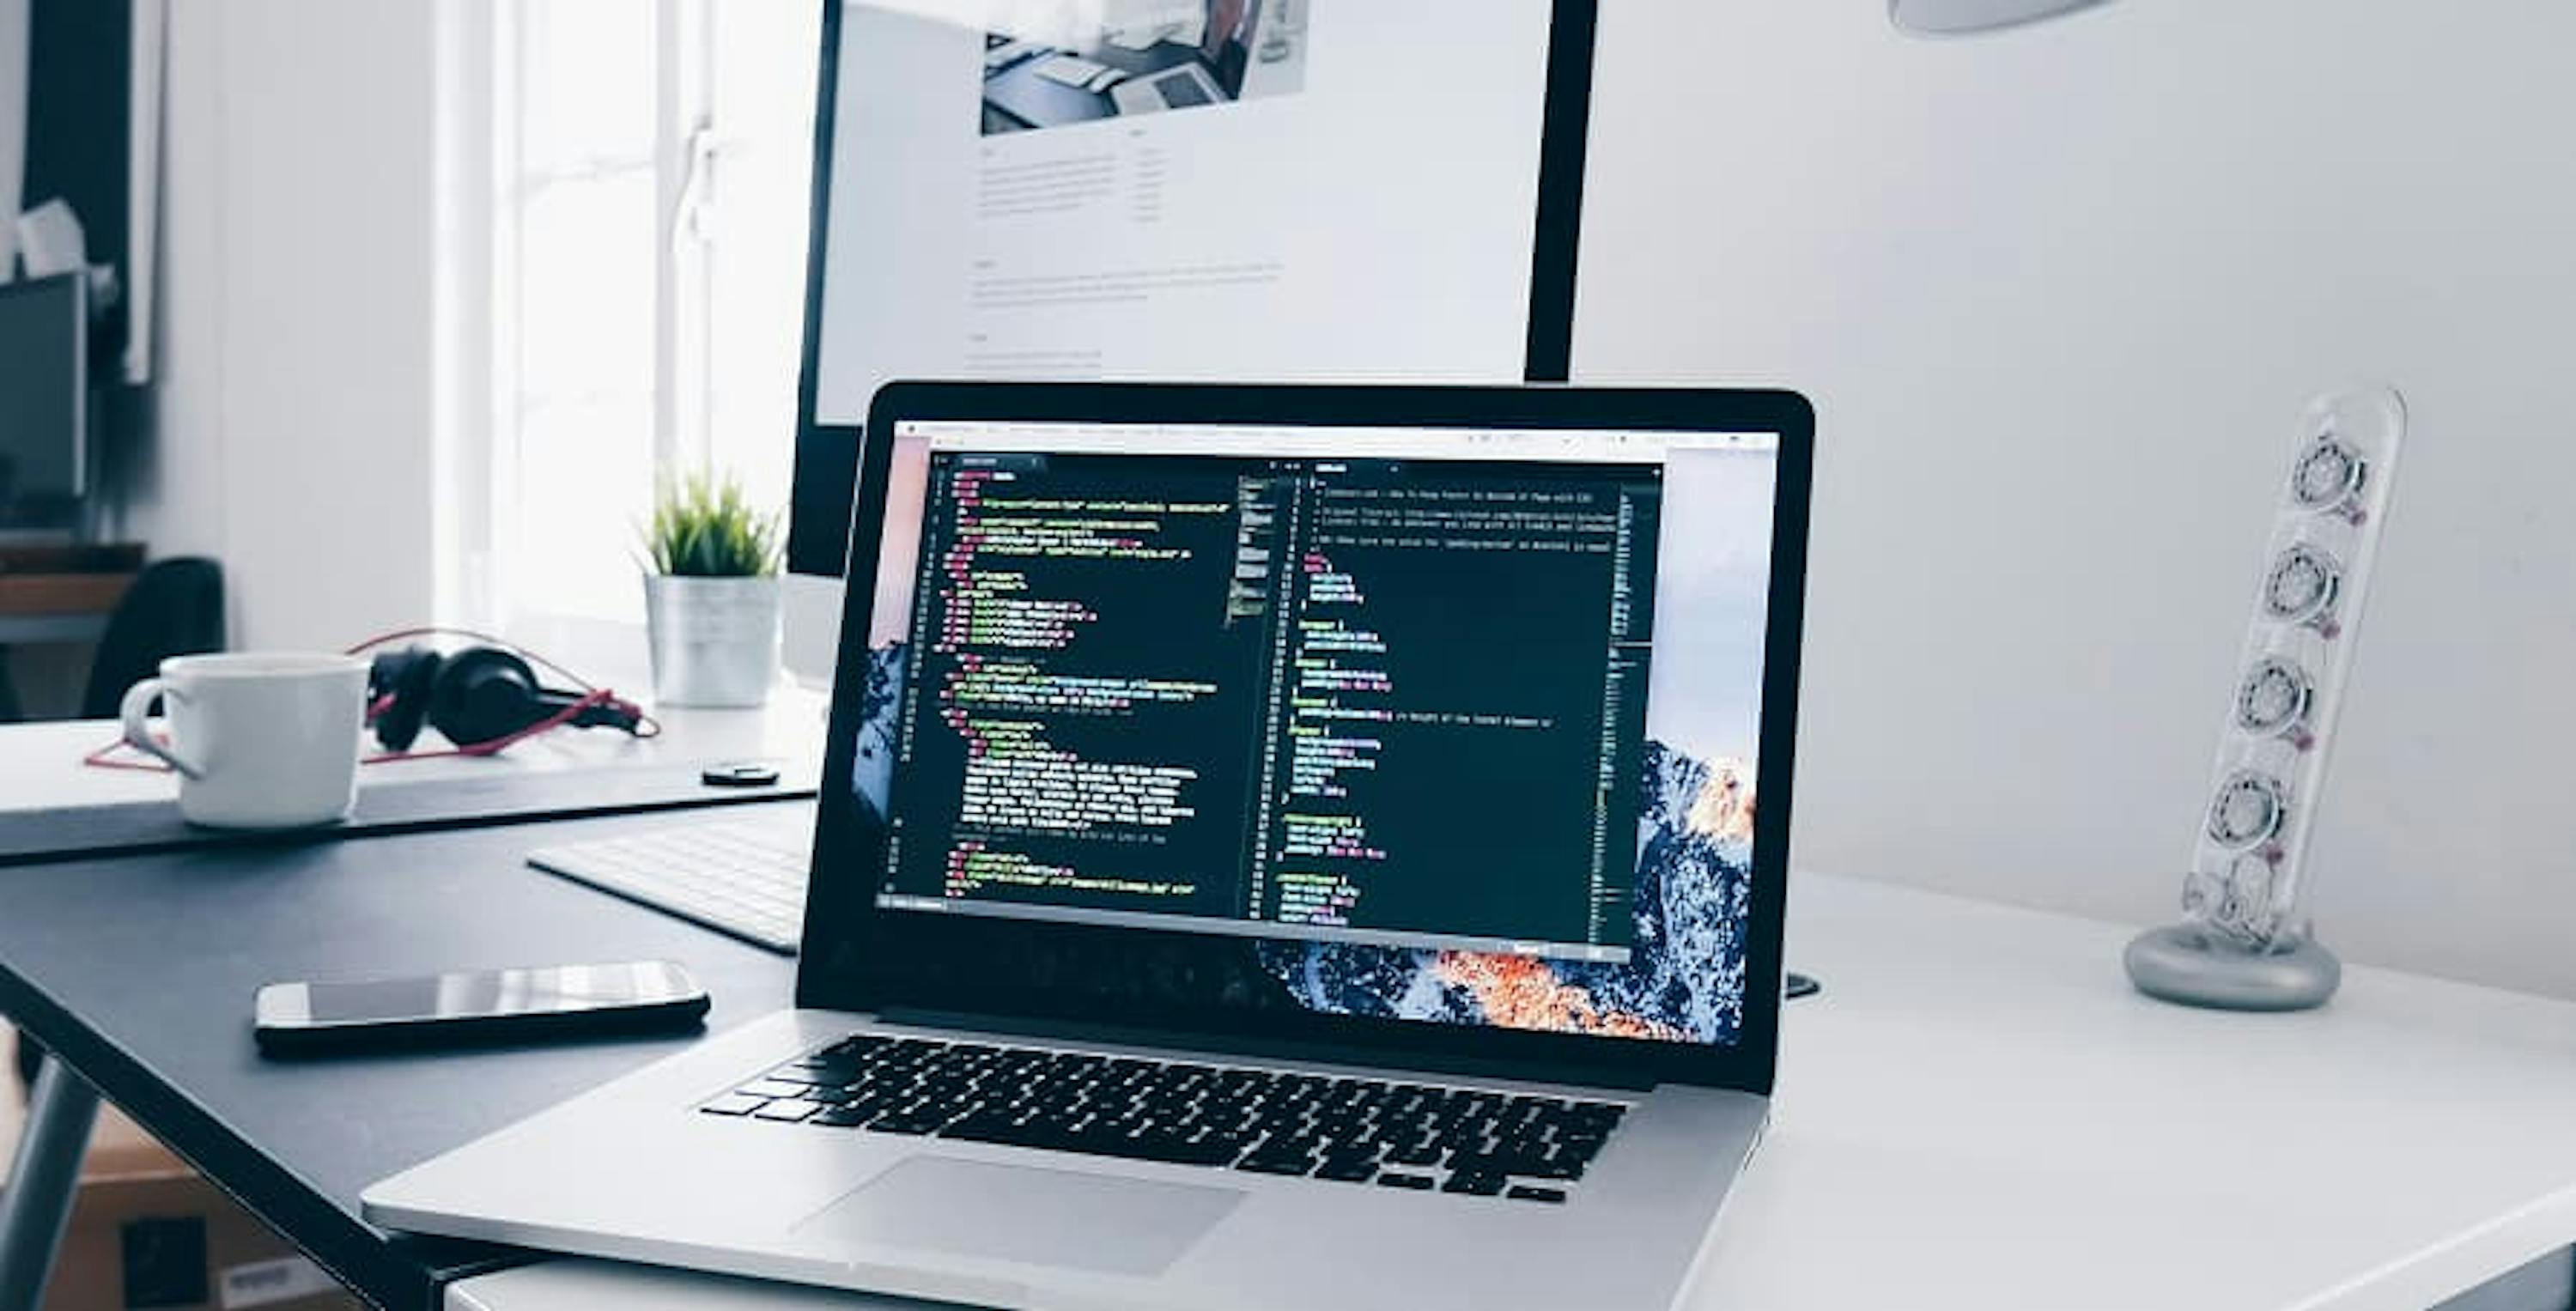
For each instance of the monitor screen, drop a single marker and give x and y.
(1432, 724)
(44, 337)
(1225, 190)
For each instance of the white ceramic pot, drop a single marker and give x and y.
(714, 640)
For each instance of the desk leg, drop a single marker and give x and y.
(38, 1201)
(10, 711)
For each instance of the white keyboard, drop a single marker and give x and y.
(742, 878)
(1076, 72)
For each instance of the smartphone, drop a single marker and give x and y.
(478, 1006)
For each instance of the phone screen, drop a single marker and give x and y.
(469, 994)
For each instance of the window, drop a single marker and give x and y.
(653, 162)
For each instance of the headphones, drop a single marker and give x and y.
(481, 698)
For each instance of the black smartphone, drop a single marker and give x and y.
(478, 1006)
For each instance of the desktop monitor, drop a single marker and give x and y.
(1191, 190)
(44, 384)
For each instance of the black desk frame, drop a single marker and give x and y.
(37, 1204)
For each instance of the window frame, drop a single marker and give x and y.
(685, 150)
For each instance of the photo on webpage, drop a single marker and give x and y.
(1143, 58)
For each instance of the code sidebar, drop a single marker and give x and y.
(1078, 747)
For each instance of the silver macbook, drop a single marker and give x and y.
(1281, 847)
(1184, 87)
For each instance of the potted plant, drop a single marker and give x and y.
(711, 595)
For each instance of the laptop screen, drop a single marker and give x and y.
(1448, 725)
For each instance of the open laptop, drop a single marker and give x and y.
(1184, 86)
(1282, 847)
(1215, 77)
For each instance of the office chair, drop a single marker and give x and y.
(175, 607)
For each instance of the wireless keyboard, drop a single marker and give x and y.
(744, 878)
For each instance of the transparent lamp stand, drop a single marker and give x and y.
(2245, 941)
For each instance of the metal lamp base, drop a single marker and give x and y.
(2190, 966)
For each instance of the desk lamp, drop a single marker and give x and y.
(1967, 17)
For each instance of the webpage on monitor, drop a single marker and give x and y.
(1213, 189)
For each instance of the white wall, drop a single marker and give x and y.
(298, 403)
(2059, 296)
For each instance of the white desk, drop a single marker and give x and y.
(40, 764)
(1979, 1114)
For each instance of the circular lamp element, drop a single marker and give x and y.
(1962, 17)
(2274, 699)
(2330, 478)
(2248, 811)
(2302, 585)
(2329, 473)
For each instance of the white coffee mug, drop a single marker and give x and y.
(260, 740)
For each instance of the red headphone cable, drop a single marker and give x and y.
(593, 696)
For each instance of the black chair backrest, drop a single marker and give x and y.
(175, 607)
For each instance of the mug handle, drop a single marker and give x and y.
(138, 735)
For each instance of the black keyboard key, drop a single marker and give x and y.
(1474, 1185)
(1346, 1171)
(1417, 1182)
(1527, 1193)
(1207, 1151)
(819, 1071)
(1259, 1164)
(986, 1127)
(1561, 1167)
(803, 1075)
(844, 1117)
(1594, 1117)
(1414, 1154)
(1577, 1151)
(1536, 1165)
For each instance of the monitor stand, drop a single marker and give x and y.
(812, 629)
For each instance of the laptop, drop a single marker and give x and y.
(1185, 86)
(1280, 847)
(1216, 77)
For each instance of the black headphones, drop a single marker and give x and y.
(478, 696)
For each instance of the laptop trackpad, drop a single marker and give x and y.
(1024, 1213)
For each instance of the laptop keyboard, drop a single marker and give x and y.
(1358, 1131)
(1181, 91)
